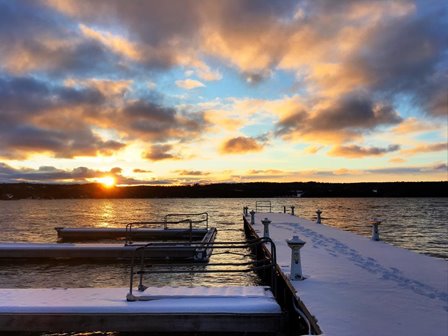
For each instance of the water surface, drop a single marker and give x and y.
(417, 224)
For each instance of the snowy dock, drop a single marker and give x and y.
(356, 286)
(138, 234)
(176, 251)
(169, 309)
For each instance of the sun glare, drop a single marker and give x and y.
(107, 181)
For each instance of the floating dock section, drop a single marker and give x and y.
(169, 309)
(170, 251)
(356, 286)
(138, 234)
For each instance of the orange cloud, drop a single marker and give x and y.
(436, 147)
(313, 149)
(240, 145)
(115, 43)
(189, 84)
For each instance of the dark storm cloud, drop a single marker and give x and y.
(353, 113)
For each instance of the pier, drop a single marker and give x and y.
(354, 285)
(315, 280)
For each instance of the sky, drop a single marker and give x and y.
(202, 91)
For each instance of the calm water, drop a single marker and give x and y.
(416, 224)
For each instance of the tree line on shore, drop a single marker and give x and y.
(14, 191)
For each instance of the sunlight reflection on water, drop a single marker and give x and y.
(418, 224)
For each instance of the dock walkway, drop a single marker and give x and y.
(356, 286)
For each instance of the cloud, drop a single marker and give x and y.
(60, 120)
(255, 78)
(435, 147)
(312, 149)
(344, 120)
(191, 173)
(240, 145)
(141, 171)
(46, 173)
(354, 151)
(160, 152)
(49, 174)
(189, 84)
(414, 125)
(28, 124)
(266, 172)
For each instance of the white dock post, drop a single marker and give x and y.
(246, 211)
(266, 223)
(296, 264)
(375, 232)
(292, 209)
(252, 217)
(319, 219)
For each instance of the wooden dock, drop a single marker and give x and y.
(137, 234)
(171, 309)
(356, 286)
(182, 251)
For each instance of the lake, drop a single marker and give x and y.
(417, 224)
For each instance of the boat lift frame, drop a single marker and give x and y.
(266, 265)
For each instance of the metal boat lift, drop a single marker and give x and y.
(185, 240)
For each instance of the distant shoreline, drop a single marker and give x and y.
(14, 191)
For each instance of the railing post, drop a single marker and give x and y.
(284, 209)
(296, 264)
(319, 219)
(292, 209)
(266, 223)
(252, 217)
(246, 211)
(375, 232)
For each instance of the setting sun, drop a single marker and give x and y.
(107, 181)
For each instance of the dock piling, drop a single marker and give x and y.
(292, 209)
(319, 219)
(296, 265)
(266, 223)
(252, 217)
(284, 209)
(375, 230)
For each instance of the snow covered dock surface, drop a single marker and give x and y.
(164, 300)
(356, 286)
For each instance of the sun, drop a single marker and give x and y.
(107, 181)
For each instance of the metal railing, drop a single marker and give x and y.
(129, 228)
(201, 217)
(262, 265)
(259, 205)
